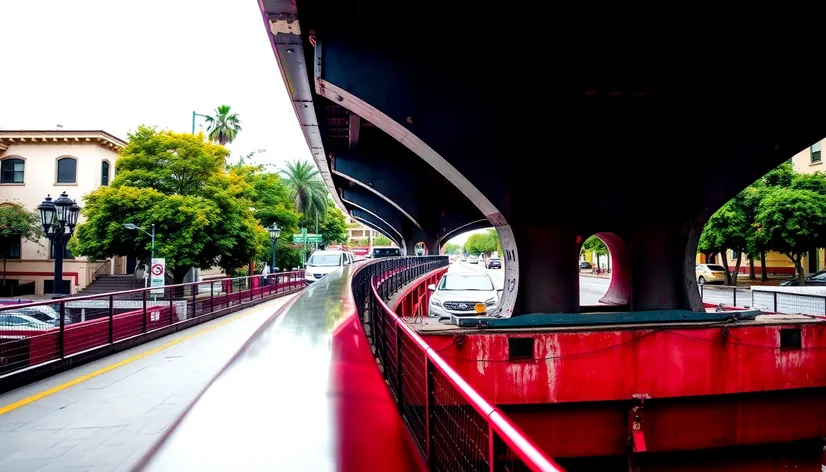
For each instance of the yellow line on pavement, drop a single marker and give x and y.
(91, 375)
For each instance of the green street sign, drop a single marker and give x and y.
(309, 238)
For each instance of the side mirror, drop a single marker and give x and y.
(499, 291)
(432, 287)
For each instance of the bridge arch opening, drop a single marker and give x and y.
(604, 265)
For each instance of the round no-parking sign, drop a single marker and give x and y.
(157, 269)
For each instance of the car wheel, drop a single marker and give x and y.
(701, 280)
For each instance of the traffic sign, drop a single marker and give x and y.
(157, 273)
(310, 238)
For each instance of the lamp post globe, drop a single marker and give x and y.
(58, 218)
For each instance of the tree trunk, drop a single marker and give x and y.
(737, 267)
(724, 259)
(764, 275)
(752, 274)
(798, 265)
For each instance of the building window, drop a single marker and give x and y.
(67, 170)
(815, 152)
(104, 173)
(67, 254)
(11, 247)
(11, 171)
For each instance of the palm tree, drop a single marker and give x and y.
(223, 128)
(308, 189)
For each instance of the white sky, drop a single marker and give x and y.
(113, 65)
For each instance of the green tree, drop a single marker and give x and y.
(452, 248)
(203, 215)
(334, 227)
(272, 203)
(727, 228)
(594, 245)
(483, 243)
(308, 190)
(382, 240)
(224, 126)
(17, 224)
(792, 222)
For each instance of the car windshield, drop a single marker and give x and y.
(36, 314)
(716, 268)
(386, 252)
(466, 282)
(325, 260)
(493, 259)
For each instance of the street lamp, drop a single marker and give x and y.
(275, 232)
(151, 235)
(58, 219)
(193, 120)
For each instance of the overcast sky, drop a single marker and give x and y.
(113, 65)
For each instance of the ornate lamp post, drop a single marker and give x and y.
(58, 218)
(275, 232)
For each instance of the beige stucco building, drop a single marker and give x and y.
(36, 163)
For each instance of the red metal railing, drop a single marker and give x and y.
(40, 332)
(453, 426)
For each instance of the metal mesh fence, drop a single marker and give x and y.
(451, 426)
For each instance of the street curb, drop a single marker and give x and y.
(583, 274)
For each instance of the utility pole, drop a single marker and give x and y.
(193, 120)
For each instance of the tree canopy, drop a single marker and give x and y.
(595, 245)
(452, 248)
(334, 228)
(203, 215)
(16, 224)
(308, 190)
(783, 211)
(483, 243)
(223, 127)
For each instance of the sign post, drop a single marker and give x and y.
(305, 238)
(157, 275)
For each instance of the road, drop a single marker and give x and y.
(591, 289)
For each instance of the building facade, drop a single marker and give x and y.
(34, 164)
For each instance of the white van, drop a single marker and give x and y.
(322, 263)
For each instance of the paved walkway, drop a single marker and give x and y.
(105, 415)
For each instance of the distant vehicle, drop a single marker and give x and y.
(322, 263)
(584, 265)
(473, 259)
(379, 252)
(710, 274)
(44, 313)
(458, 294)
(816, 279)
(493, 263)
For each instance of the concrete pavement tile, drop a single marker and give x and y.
(6, 426)
(24, 465)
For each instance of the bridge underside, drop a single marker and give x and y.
(434, 121)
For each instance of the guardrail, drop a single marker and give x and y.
(453, 426)
(32, 334)
(772, 299)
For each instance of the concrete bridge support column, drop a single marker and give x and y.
(548, 274)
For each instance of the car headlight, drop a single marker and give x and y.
(435, 301)
(490, 301)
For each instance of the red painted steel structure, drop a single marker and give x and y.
(419, 366)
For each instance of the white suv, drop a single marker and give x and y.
(322, 263)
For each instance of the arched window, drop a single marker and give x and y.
(11, 171)
(67, 170)
(104, 173)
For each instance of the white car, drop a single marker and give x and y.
(458, 294)
(322, 263)
(18, 322)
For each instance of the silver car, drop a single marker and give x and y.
(458, 294)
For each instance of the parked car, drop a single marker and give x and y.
(584, 265)
(322, 263)
(817, 279)
(710, 274)
(473, 259)
(18, 322)
(458, 294)
(379, 252)
(493, 263)
(44, 313)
